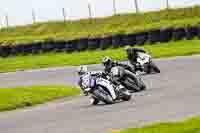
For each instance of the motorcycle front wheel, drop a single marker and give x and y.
(152, 66)
(94, 101)
(142, 85)
(126, 96)
(103, 95)
(130, 84)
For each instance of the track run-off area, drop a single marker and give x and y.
(174, 94)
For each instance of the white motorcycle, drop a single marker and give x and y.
(101, 89)
(145, 63)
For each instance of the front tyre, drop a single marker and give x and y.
(130, 84)
(103, 96)
(154, 67)
(126, 96)
(94, 101)
(142, 85)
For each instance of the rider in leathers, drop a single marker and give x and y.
(82, 71)
(108, 64)
(132, 54)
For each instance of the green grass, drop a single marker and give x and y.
(19, 97)
(180, 48)
(187, 126)
(119, 24)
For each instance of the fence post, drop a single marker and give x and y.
(7, 21)
(1, 23)
(33, 16)
(90, 11)
(64, 14)
(114, 7)
(136, 6)
(167, 4)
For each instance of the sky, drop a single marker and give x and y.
(20, 12)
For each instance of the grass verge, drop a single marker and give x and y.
(187, 126)
(180, 48)
(119, 24)
(13, 98)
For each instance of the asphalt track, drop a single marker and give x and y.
(172, 95)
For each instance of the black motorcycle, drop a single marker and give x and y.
(130, 80)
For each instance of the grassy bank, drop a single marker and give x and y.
(170, 49)
(187, 126)
(119, 24)
(13, 98)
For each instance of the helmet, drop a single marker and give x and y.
(82, 70)
(106, 61)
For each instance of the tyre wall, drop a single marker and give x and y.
(115, 41)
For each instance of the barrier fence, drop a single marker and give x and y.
(114, 41)
(63, 13)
